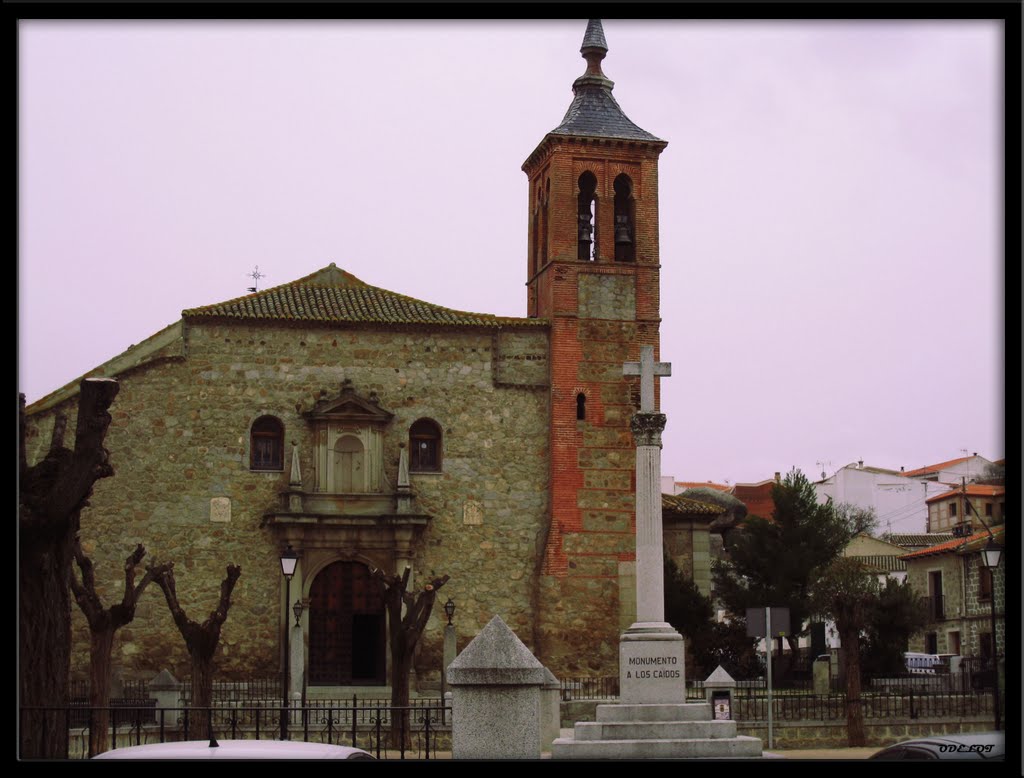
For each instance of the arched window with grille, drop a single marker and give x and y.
(425, 447)
(625, 217)
(586, 217)
(266, 444)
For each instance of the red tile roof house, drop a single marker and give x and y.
(959, 591)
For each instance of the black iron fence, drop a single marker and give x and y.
(414, 731)
(906, 696)
(598, 688)
(874, 705)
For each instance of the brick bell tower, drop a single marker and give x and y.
(593, 271)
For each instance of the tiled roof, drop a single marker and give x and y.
(883, 563)
(935, 468)
(332, 295)
(677, 503)
(703, 485)
(911, 540)
(979, 540)
(973, 490)
(956, 543)
(757, 498)
(593, 111)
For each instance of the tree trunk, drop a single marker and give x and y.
(200, 640)
(202, 697)
(44, 653)
(51, 495)
(100, 645)
(400, 719)
(405, 633)
(854, 707)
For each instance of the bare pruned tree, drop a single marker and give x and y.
(103, 623)
(405, 634)
(200, 639)
(51, 495)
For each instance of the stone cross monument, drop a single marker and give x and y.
(650, 651)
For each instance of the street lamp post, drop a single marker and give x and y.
(289, 560)
(990, 556)
(448, 650)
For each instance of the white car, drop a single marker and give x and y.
(236, 749)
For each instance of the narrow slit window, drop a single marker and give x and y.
(581, 406)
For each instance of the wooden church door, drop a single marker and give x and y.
(346, 628)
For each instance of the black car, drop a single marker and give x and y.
(974, 746)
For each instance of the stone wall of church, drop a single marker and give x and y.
(180, 439)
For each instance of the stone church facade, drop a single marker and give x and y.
(368, 429)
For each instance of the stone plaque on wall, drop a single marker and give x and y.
(472, 513)
(220, 509)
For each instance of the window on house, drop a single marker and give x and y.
(425, 447)
(266, 444)
(931, 643)
(984, 583)
(985, 644)
(952, 509)
(988, 509)
(581, 407)
(953, 642)
(936, 600)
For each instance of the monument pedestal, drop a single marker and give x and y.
(651, 658)
(653, 731)
(653, 719)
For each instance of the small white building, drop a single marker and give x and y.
(899, 502)
(953, 471)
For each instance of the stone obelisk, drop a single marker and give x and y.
(650, 651)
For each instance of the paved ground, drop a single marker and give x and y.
(812, 754)
(825, 753)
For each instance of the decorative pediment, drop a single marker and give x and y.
(351, 408)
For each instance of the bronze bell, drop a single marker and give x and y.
(622, 234)
(585, 232)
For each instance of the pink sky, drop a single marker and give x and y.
(831, 218)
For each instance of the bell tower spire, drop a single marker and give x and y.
(593, 272)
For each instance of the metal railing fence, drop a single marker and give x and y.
(361, 725)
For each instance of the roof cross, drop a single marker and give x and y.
(647, 368)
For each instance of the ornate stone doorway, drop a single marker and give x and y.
(346, 628)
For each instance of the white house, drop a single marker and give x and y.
(899, 502)
(953, 471)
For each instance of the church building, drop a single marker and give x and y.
(366, 429)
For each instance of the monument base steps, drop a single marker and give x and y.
(656, 731)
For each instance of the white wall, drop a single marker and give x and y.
(899, 502)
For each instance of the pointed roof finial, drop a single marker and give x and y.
(594, 112)
(593, 38)
(594, 48)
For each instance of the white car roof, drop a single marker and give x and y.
(234, 749)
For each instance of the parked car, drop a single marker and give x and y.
(236, 749)
(972, 746)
